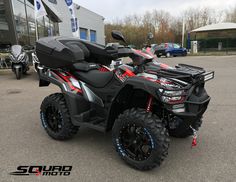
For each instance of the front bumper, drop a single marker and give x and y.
(193, 110)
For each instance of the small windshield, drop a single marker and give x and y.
(16, 50)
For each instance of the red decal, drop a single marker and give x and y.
(104, 69)
(164, 66)
(38, 172)
(66, 78)
(129, 73)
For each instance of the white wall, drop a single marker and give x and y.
(61, 10)
(91, 21)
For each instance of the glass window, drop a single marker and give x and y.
(19, 8)
(56, 29)
(46, 25)
(21, 24)
(26, 30)
(93, 36)
(40, 23)
(31, 21)
(30, 13)
(176, 46)
(50, 29)
(83, 33)
(170, 45)
(4, 28)
(161, 45)
(3, 21)
(32, 40)
(2, 11)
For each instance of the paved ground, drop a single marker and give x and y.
(24, 142)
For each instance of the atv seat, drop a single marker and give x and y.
(95, 78)
(84, 66)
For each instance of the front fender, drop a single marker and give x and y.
(122, 100)
(143, 84)
(17, 66)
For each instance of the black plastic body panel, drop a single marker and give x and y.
(53, 54)
(63, 52)
(76, 103)
(123, 94)
(143, 84)
(194, 111)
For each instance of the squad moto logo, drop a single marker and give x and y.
(43, 171)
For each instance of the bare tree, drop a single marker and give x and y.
(165, 27)
(231, 15)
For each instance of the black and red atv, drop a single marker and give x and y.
(141, 102)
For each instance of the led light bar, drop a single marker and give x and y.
(209, 76)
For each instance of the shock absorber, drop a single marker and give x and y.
(149, 103)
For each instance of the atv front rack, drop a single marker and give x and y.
(185, 73)
(197, 71)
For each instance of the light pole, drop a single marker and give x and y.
(183, 32)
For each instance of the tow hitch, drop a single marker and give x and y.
(194, 141)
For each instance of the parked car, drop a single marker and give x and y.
(170, 49)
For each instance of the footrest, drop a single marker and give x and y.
(88, 120)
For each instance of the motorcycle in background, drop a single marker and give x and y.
(36, 64)
(19, 61)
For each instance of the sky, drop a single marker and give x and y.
(117, 9)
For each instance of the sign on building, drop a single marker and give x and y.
(74, 20)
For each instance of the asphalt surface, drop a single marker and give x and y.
(24, 142)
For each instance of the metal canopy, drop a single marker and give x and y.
(219, 26)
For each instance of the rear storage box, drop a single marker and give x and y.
(53, 54)
(60, 52)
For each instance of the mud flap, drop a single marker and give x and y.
(43, 83)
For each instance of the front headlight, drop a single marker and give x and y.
(21, 57)
(173, 93)
(172, 100)
(173, 97)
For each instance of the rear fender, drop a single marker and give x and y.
(60, 79)
(48, 77)
(76, 102)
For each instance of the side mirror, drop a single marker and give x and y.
(117, 35)
(150, 36)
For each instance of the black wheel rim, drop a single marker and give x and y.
(53, 118)
(136, 142)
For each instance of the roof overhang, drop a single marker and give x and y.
(53, 14)
(216, 27)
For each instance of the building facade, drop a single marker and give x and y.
(91, 27)
(215, 37)
(17, 23)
